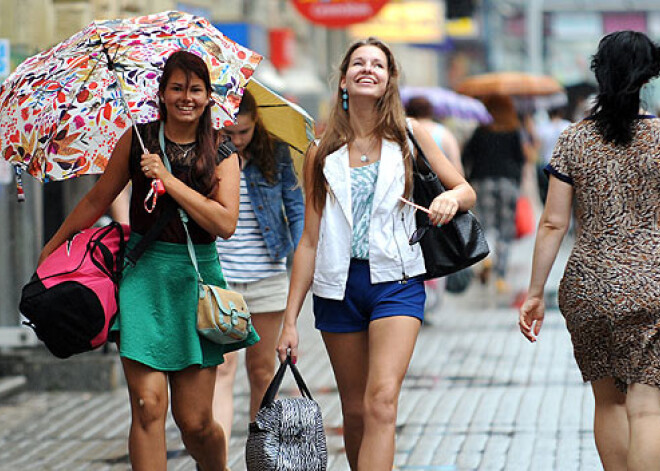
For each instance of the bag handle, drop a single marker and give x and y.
(274, 387)
(427, 171)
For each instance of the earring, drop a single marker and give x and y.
(344, 99)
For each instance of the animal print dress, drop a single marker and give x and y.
(610, 291)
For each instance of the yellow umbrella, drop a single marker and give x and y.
(285, 120)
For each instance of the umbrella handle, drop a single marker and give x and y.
(159, 188)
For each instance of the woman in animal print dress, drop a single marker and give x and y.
(608, 166)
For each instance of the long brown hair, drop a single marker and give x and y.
(202, 174)
(261, 146)
(390, 123)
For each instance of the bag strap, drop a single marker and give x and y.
(182, 214)
(274, 387)
(152, 234)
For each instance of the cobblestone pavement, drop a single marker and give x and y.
(477, 397)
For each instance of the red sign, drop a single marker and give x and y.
(282, 47)
(338, 13)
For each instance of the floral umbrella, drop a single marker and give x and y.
(63, 110)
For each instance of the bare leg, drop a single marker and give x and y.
(223, 396)
(610, 425)
(643, 406)
(349, 356)
(147, 389)
(391, 344)
(192, 400)
(260, 357)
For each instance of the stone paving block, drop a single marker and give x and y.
(423, 450)
(550, 408)
(448, 451)
(486, 409)
(568, 452)
(507, 409)
(520, 454)
(494, 453)
(471, 451)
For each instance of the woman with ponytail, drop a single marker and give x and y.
(608, 167)
(161, 352)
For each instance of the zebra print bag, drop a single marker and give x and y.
(287, 434)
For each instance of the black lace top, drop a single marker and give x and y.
(182, 157)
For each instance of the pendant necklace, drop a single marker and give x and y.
(364, 157)
(185, 152)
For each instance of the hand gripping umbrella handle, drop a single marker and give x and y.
(157, 187)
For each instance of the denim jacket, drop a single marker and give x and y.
(279, 207)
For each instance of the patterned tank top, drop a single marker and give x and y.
(363, 184)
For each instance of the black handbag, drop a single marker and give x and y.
(452, 246)
(287, 434)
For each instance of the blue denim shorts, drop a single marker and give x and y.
(364, 302)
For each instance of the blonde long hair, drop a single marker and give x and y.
(390, 124)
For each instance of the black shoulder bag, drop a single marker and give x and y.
(452, 246)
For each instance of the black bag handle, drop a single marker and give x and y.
(427, 171)
(154, 231)
(275, 384)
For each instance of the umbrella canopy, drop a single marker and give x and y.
(62, 111)
(509, 83)
(447, 103)
(285, 120)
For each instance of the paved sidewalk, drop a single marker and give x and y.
(477, 397)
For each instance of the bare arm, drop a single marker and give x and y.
(302, 273)
(554, 223)
(96, 202)
(459, 194)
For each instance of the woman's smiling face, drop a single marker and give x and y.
(367, 73)
(185, 98)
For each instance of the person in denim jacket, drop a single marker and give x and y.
(270, 223)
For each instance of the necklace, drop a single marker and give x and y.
(185, 152)
(364, 157)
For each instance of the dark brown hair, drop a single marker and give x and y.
(624, 62)
(503, 111)
(419, 107)
(202, 174)
(261, 147)
(390, 123)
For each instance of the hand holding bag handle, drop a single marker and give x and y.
(453, 246)
(274, 387)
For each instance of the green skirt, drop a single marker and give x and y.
(158, 308)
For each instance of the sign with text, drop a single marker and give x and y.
(411, 22)
(338, 13)
(5, 65)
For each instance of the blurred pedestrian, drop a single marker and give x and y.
(158, 341)
(420, 108)
(548, 133)
(610, 291)
(253, 260)
(493, 158)
(354, 251)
